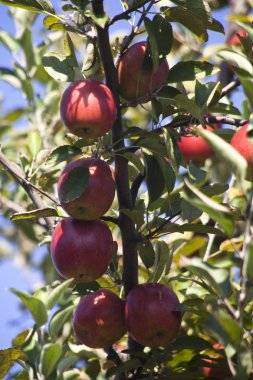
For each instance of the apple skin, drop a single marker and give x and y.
(234, 40)
(98, 320)
(195, 148)
(219, 368)
(88, 108)
(134, 81)
(98, 195)
(244, 146)
(80, 249)
(151, 315)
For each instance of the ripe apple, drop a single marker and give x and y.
(235, 40)
(241, 142)
(81, 249)
(98, 194)
(218, 368)
(99, 320)
(134, 81)
(88, 108)
(151, 314)
(195, 148)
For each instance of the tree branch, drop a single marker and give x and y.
(128, 232)
(30, 189)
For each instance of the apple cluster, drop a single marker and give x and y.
(82, 244)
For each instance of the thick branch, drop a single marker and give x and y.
(27, 186)
(128, 232)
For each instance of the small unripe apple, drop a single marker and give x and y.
(152, 315)
(195, 148)
(98, 194)
(242, 143)
(88, 108)
(99, 320)
(81, 250)
(134, 81)
(235, 40)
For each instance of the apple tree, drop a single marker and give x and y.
(130, 165)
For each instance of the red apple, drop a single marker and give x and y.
(195, 148)
(151, 314)
(235, 40)
(88, 108)
(99, 320)
(134, 81)
(98, 194)
(81, 249)
(217, 366)
(241, 142)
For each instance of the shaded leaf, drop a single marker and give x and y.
(147, 254)
(75, 184)
(58, 319)
(189, 70)
(59, 67)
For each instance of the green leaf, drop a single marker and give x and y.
(70, 50)
(34, 143)
(225, 152)
(26, 43)
(56, 293)
(20, 338)
(237, 60)
(168, 173)
(220, 213)
(154, 177)
(23, 375)
(34, 305)
(159, 46)
(189, 19)
(147, 254)
(40, 6)
(9, 41)
(50, 356)
(35, 214)
(10, 77)
(8, 358)
(58, 319)
(59, 67)
(217, 278)
(62, 153)
(172, 148)
(163, 260)
(100, 20)
(57, 23)
(189, 71)
(248, 264)
(75, 184)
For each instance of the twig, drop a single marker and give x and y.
(128, 39)
(125, 14)
(229, 87)
(152, 234)
(112, 355)
(110, 219)
(27, 186)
